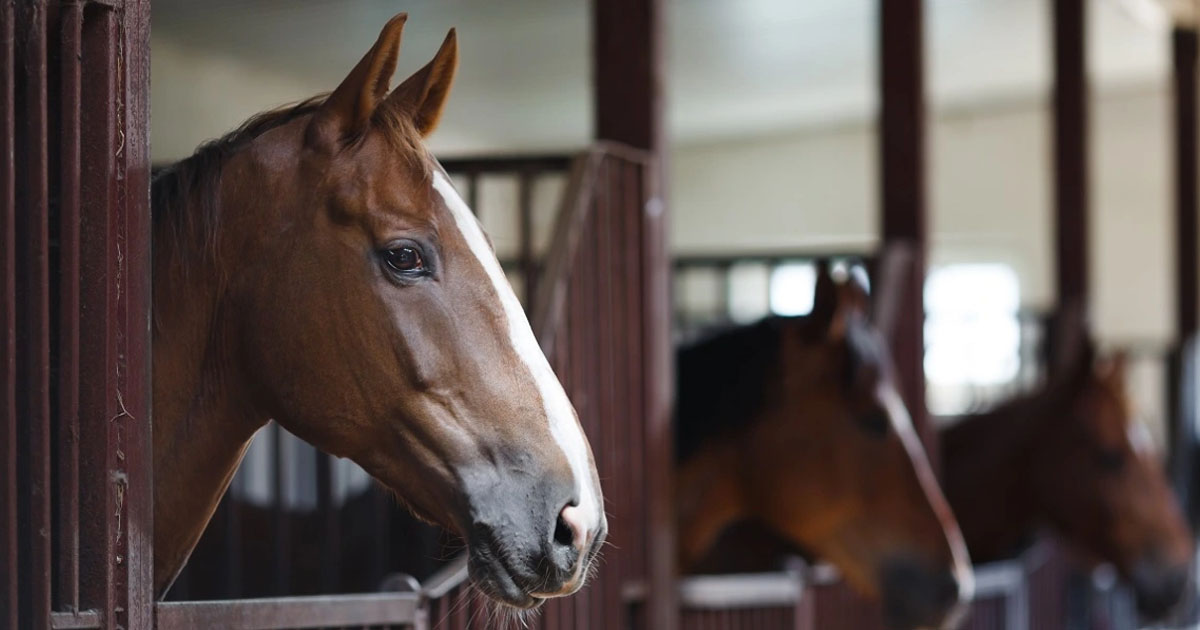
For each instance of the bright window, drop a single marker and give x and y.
(792, 288)
(972, 332)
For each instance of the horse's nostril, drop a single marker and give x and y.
(562, 533)
(570, 530)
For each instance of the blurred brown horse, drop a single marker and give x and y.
(316, 266)
(795, 423)
(1070, 456)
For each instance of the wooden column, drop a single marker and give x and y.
(1070, 153)
(902, 186)
(1187, 258)
(627, 60)
(1181, 393)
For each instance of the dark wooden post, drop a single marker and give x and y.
(1187, 265)
(627, 57)
(1182, 403)
(902, 186)
(1071, 153)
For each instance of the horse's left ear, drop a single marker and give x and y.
(853, 296)
(825, 296)
(348, 110)
(423, 95)
(1113, 368)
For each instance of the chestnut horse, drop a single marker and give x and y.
(795, 424)
(316, 266)
(1069, 456)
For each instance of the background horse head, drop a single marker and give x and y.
(1072, 456)
(796, 423)
(317, 267)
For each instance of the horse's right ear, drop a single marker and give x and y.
(347, 111)
(825, 297)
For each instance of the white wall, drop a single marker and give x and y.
(989, 192)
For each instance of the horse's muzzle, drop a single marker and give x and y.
(535, 548)
(917, 596)
(1158, 587)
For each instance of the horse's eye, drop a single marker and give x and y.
(1110, 460)
(875, 422)
(404, 260)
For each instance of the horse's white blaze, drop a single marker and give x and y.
(902, 424)
(563, 425)
(1140, 439)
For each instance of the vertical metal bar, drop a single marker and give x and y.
(8, 349)
(33, 339)
(103, 411)
(327, 509)
(279, 517)
(229, 515)
(1071, 150)
(473, 193)
(525, 214)
(603, 434)
(137, 448)
(67, 437)
(902, 176)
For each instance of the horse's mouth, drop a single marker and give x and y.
(497, 581)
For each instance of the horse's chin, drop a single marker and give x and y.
(495, 581)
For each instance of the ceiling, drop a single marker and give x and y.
(736, 67)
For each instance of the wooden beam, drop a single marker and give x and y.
(627, 59)
(1071, 152)
(627, 63)
(1181, 363)
(1187, 258)
(902, 181)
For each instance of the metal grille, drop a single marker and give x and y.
(75, 493)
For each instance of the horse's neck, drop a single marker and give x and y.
(986, 464)
(708, 497)
(203, 420)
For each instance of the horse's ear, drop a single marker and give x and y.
(348, 110)
(1073, 349)
(1112, 369)
(853, 295)
(422, 96)
(825, 297)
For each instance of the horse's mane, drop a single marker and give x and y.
(1015, 420)
(193, 181)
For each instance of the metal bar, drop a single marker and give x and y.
(281, 524)
(902, 177)
(97, 340)
(133, 427)
(603, 434)
(290, 612)
(8, 350)
(83, 620)
(33, 337)
(327, 509)
(472, 166)
(67, 428)
(473, 193)
(229, 511)
(525, 216)
(1071, 150)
